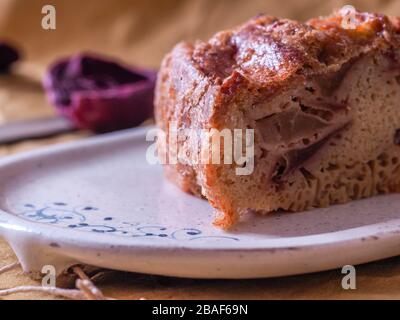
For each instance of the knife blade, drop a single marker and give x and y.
(34, 129)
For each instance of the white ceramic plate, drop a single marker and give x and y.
(99, 202)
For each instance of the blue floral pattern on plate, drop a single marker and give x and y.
(86, 218)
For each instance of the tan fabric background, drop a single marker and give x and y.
(141, 32)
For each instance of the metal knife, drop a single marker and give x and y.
(34, 129)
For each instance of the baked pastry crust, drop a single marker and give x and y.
(242, 76)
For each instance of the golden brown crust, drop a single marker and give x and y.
(197, 83)
(268, 50)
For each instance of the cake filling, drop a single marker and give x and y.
(307, 121)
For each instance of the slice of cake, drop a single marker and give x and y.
(322, 99)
